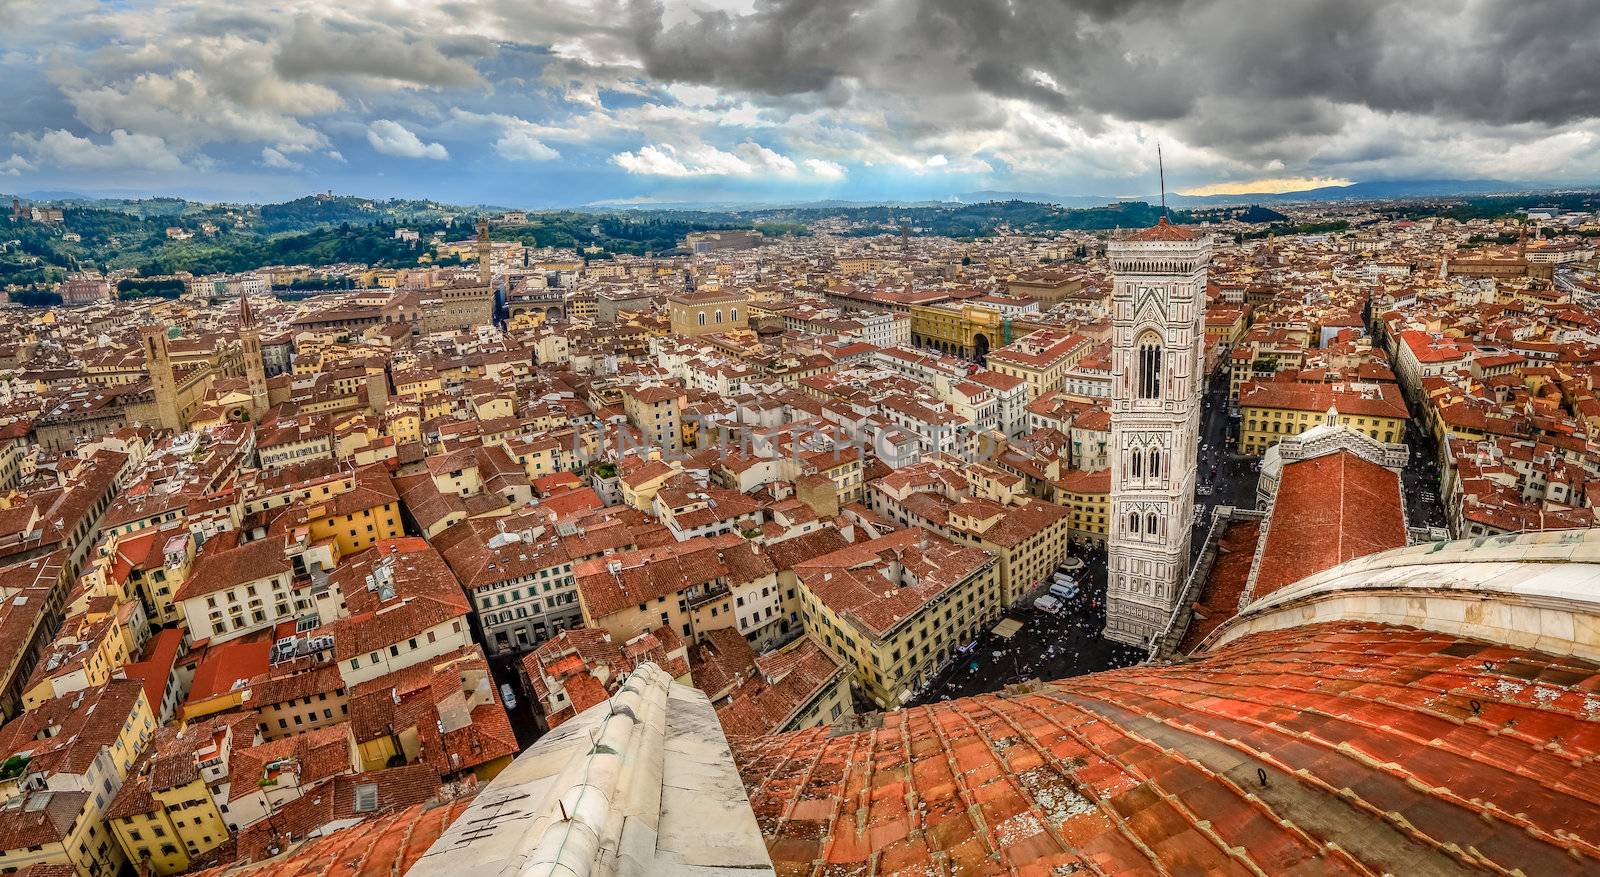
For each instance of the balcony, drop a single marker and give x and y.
(702, 594)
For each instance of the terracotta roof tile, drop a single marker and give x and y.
(1383, 749)
(1328, 510)
(1163, 231)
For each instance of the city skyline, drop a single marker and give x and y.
(614, 103)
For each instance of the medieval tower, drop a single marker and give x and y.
(1158, 313)
(159, 364)
(254, 369)
(485, 257)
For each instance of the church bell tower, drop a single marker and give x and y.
(254, 369)
(1158, 364)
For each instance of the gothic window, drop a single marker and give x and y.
(1150, 523)
(1155, 463)
(1136, 461)
(1149, 373)
(1133, 522)
(702, 318)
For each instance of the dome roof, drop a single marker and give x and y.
(1347, 747)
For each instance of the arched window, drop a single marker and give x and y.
(1150, 523)
(702, 318)
(733, 315)
(1138, 458)
(719, 315)
(1149, 374)
(1155, 463)
(1133, 523)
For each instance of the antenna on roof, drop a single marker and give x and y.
(1161, 171)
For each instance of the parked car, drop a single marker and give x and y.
(1063, 590)
(1048, 604)
(508, 695)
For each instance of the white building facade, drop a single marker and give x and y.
(1158, 336)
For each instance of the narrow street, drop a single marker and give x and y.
(1420, 480)
(523, 721)
(1225, 477)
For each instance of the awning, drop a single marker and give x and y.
(1007, 628)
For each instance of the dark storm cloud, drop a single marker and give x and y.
(1283, 66)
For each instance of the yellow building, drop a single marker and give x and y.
(1028, 536)
(657, 413)
(165, 817)
(1042, 359)
(1273, 410)
(1087, 494)
(688, 587)
(896, 609)
(697, 313)
(641, 480)
(83, 655)
(58, 761)
(357, 518)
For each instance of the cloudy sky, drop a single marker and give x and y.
(561, 102)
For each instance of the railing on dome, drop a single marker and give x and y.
(1166, 644)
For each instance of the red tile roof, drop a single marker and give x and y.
(1336, 748)
(1354, 400)
(1328, 510)
(222, 667)
(1163, 231)
(1230, 572)
(388, 845)
(787, 681)
(155, 670)
(223, 563)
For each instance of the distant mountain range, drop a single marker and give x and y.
(1375, 190)
(1368, 191)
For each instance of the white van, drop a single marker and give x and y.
(1063, 590)
(1047, 604)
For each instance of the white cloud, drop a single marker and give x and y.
(274, 159)
(658, 161)
(517, 144)
(14, 166)
(336, 156)
(824, 169)
(747, 159)
(124, 151)
(392, 138)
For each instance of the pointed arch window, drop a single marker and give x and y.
(1150, 523)
(1136, 462)
(1155, 462)
(1148, 379)
(1133, 523)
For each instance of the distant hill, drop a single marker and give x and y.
(1041, 198)
(1373, 190)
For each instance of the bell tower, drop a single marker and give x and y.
(255, 373)
(1158, 335)
(158, 362)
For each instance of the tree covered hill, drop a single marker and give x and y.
(324, 229)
